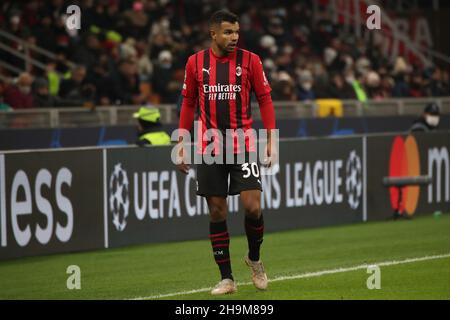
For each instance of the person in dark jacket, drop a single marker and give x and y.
(43, 99)
(18, 95)
(428, 121)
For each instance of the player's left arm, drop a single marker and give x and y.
(262, 89)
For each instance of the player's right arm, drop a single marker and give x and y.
(187, 114)
(190, 95)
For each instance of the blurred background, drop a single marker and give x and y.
(329, 73)
(116, 81)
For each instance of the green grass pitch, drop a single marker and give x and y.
(167, 270)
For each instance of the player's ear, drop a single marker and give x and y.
(212, 32)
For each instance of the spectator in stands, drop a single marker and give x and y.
(284, 87)
(124, 85)
(428, 121)
(446, 81)
(334, 58)
(417, 88)
(41, 96)
(112, 14)
(386, 85)
(144, 65)
(87, 53)
(99, 77)
(401, 70)
(339, 88)
(270, 70)
(373, 85)
(159, 42)
(16, 25)
(305, 86)
(43, 99)
(435, 86)
(249, 36)
(77, 88)
(268, 46)
(282, 32)
(401, 88)
(18, 95)
(136, 20)
(3, 105)
(45, 33)
(358, 84)
(163, 78)
(63, 36)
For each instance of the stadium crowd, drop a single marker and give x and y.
(134, 52)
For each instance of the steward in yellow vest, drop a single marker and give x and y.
(149, 128)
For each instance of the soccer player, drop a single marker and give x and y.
(220, 80)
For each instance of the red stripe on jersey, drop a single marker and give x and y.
(232, 81)
(212, 81)
(249, 118)
(232, 102)
(200, 56)
(246, 122)
(246, 91)
(212, 102)
(199, 62)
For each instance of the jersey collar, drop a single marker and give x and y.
(224, 58)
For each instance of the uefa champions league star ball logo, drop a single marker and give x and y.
(353, 182)
(119, 202)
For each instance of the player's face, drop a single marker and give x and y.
(226, 36)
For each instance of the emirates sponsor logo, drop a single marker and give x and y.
(221, 88)
(222, 91)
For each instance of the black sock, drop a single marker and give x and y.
(220, 242)
(255, 232)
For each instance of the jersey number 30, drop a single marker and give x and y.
(250, 168)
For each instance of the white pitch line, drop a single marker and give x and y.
(306, 275)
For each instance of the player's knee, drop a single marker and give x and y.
(253, 210)
(217, 213)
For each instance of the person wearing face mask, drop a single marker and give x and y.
(305, 90)
(163, 80)
(428, 121)
(18, 95)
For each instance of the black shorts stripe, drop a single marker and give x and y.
(222, 105)
(238, 95)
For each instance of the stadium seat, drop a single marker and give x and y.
(330, 107)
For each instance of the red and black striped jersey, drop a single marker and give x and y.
(222, 87)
